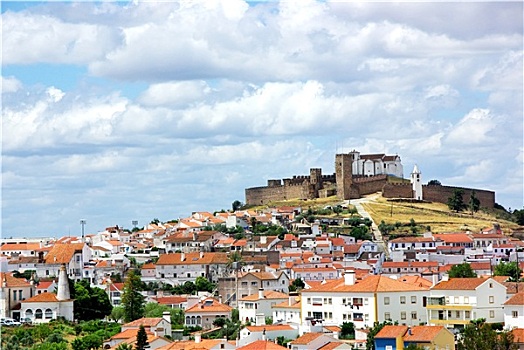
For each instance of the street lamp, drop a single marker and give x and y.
(83, 223)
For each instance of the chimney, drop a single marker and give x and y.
(261, 293)
(182, 256)
(194, 236)
(349, 277)
(166, 316)
(263, 240)
(201, 255)
(445, 277)
(409, 331)
(63, 285)
(292, 298)
(198, 337)
(220, 298)
(264, 335)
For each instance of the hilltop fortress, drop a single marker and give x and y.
(357, 175)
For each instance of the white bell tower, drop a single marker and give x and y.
(416, 183)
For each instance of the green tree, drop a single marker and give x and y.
(42, 331)
(474, 202)
(202, 284)
(219, 322)
(456, 201)
(479, 335)
(510, 269)
(519, 216)
(434, 183)
(296, 285)
(141, 338)
(236, 205)
(124, 346)
(463, 270)
(90, 303)
(269, 320)
(347, 330)
(235, 315)
(132, 300)
(117, 313)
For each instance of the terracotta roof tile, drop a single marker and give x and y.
(215, 306)
(331, 345)
(372, 283)
(268, 294)
(270, 327)
(518, 335)
(192, 258)
(390, 331)
(13, 281)
(262, 345)
(517, 299)
(62, 253)
(42, 298)
(146, 321)
(459, 284)
(306, 338)
(423, 333)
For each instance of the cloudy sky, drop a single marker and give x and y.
(121, 111)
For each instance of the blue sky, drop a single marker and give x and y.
(122, 111)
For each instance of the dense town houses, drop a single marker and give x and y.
(341, 280)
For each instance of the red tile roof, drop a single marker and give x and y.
(459, 284)
(369, 284)
(42, 298)
(423, 333)
(262, 345)
(306, 338)
(517, 299)
(62, 253)
(390, 331)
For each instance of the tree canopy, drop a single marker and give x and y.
(132, 300)
(456, 201)
(91, 303)
(463, 270)
(510, 269)
(479, 335)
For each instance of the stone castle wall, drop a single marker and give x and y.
(440, 194)
(264, 195)
(398, 191)
(368, 185)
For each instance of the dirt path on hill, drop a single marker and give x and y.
(377, 236)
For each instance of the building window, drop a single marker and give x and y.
(492, 314)
(491, 285)
(48, 314)
(403, 315)
(413, 299)
(386, 300)
(466, 314)
(402, 300)
(254, 283)
(387, 316)
(466, 300)
(491, 299)
(414, 315)
(38, 314)
(514, 314)
(317, 315)
(357, 301)
(457, 314)
(456, 300)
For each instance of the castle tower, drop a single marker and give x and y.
(344, 175)
(416, 183)
(63, 285)
(315, 180)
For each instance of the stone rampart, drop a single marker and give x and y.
(398, 191)
(435, 193)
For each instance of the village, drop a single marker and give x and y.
(283, 277)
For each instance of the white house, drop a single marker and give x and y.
(514, 311)
(251, 334)
(287, 312)
(260, 303)
(374, 299)
(46, 306)
(456, 301)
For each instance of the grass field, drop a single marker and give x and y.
(435, 215)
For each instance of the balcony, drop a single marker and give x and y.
(436, 301)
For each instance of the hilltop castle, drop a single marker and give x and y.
(357, 175)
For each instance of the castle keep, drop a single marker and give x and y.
(357, 175)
